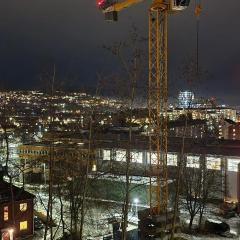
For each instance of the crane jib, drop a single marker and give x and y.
(110, 6)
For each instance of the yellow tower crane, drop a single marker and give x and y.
(158, 90)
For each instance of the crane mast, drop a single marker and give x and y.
(157, 100)
(157, 107)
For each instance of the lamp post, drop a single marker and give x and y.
(44, 172)
(136, 201)
(10, 231)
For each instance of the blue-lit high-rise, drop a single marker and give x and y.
(185, 99)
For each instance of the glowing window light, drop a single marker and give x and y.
(193, 161)
(5, 213)
(213, 163)
(23, 225)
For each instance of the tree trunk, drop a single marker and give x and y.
(129, 156)
(200, 219)
(126, 202)
(191, 223)
(86, 180)
(179, 172)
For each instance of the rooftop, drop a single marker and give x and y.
(18, 193)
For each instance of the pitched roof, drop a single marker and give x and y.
(18, 193)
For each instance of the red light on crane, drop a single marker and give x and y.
(100, 3)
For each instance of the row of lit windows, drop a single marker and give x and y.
(212, 163)
(44, 152)
(137, 157)
(33, 152)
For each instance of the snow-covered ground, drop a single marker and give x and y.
(204, 237)
(96, 220)
(211, 214)
(96, 217)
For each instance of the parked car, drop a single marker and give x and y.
(38, 223)
(217, 227)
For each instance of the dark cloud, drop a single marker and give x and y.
(70, 33)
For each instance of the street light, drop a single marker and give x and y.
(94, 167)
(10, 231)
(136, 201)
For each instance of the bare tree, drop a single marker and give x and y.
(5, 125)
(50, 162)
(200, 183)
(130, 65)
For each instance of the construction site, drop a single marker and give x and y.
(160, 219)
(79, 166)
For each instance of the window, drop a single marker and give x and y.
(120, 155)
(136, 157)
(23, 207)
(5, 213)
(23, 225)
(172, 159)
(213, 163)
(106, 154)
(233, 164)
(193, 161)
(152, 158)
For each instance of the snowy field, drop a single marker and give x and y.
(96, 220)
(211, 214)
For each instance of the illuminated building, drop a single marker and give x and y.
(66, 158)
(229, 129)
(216, 113)
(22, 225)
(185, 99)
(110, 155)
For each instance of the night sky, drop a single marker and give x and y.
(70, 33)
